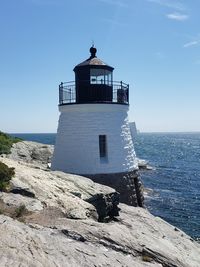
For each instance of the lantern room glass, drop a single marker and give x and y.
(101, 76)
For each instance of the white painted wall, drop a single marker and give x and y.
(133, 130)
(77, 141)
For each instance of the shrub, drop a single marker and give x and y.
(6, 174)
(6, 142)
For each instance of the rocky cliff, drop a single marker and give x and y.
(55, 219)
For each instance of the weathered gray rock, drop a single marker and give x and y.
(75, 196)
(137, 239)
(31, 152)
(61, 226)
(34, 246)
(39, 156)
(14, 200)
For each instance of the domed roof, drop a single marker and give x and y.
(93, 60)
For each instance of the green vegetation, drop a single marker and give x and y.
(6, 175)
(6, 142)
(20, 211)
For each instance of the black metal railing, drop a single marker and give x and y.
(120, 93)
(67, 93)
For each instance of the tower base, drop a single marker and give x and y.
(128, 184)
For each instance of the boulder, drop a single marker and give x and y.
(73, 195)
(31, 152)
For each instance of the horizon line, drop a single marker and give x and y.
(140, 132)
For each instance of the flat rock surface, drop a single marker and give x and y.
(137, 239)
(24, 245)
(17, 200)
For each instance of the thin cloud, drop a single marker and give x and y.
(177, 16)
(190, 44)
(177, 5)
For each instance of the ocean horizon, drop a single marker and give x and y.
(174, 180)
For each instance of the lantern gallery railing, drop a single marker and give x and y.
(116, 93)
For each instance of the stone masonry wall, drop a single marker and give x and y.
(127, 184)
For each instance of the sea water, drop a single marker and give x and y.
(174, 180)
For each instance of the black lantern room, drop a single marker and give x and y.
(93, 84)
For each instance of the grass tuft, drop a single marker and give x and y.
(146, 258)
(6, 142)
(6, 175)
(20, 211)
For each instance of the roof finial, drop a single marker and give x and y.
(93, 50)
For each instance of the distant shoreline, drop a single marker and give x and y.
(192, 132)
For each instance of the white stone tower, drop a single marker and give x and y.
(93, 137)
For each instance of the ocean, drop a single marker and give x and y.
(174, 180)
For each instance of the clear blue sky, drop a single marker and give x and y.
(154, 46)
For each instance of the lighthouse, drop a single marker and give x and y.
(93, 137)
